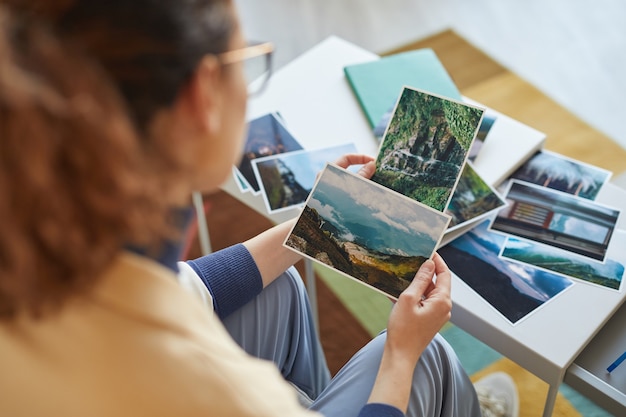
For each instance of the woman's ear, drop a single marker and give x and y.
(202, 99)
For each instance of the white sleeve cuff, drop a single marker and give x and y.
(191, 282)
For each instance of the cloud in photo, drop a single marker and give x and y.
(378, 217)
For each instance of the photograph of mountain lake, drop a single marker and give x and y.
(608, 274)
(425, 146)
(365, 231)
(286, 179)
(513, 289)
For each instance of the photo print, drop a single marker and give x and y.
(515, 290)
(557, 219)
(381, 126)
(489, 118)
(365, 231)
(266, 136)
(286, 179)
(472, 198)
(608, 274)
(558, 172)
(425, 146)
(241, 182)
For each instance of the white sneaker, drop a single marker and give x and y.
(497, 395)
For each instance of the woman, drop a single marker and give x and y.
(111, 114)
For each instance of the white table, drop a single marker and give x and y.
(547, 342)
(319, 108)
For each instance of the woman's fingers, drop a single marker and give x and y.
(444, 276)
(422, 280)
(424, 289)
(367, 170)
(353, 159)
(368, 162)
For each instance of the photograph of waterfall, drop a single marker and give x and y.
(426, 145)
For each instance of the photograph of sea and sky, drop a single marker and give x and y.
(515, 290)
(609, 273)
(365, 231)
(425, 146)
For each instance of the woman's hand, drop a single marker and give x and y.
(267, 249)
(368, 162)
(418, 315)
(421, 310)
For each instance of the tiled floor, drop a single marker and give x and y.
(573, 50)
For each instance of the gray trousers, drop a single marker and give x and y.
(277, 326)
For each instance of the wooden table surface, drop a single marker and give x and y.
(481, 78)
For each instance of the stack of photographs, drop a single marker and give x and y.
(380, 231)
(551, 234)
(473, 198)
(518, 246)
(275, 165)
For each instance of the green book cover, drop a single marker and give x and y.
(378, 84)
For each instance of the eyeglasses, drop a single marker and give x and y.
(257, 64)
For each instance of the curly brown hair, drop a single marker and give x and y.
(77, 166)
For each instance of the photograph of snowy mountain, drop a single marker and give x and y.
(555, 171)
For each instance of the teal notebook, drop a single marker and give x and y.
(377, 84)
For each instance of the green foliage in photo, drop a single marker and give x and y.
(462, 121)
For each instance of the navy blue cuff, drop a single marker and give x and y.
(380, 410)
(232, 277)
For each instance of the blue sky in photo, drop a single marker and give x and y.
(573, 226)
(369, 214)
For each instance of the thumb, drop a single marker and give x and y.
(367, 170)
(423, 278)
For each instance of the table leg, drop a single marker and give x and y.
(551, 399)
